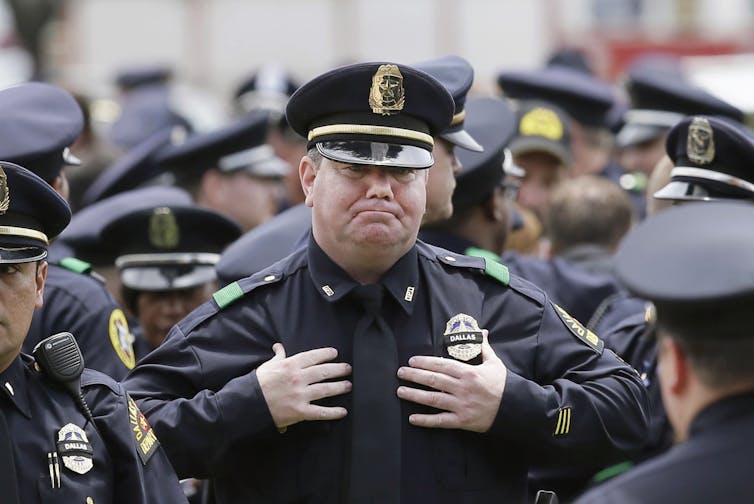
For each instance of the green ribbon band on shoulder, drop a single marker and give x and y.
(73, 264)
(497, 270)
(228, 294)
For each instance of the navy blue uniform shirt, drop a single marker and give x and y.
(713, 465)
(80, 304)
(127, 465)
(566, 398)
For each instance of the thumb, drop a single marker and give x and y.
(487, 351)
(279, 352)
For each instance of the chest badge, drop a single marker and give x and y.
(463, 339)
(74, 449)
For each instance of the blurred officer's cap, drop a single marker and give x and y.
(659, 100)
(268, 88)
(542, 127)
(492, 122)
(32, 213)
(457, 75)
(84, 234)
(585, 98)
(695, 263)
(40, 122)
(136, 167)
(144, 75)
(713, 158)
(381, 114)
(239, 146)
(169, 247)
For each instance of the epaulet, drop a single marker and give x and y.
(491, 267)
(238, 289)
(79, 266)
(91, 378)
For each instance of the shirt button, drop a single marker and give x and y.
(10, 388)
(89, 500)
(269, 278)
(450, 258)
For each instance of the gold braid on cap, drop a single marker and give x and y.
(363, 129)
(24, 232)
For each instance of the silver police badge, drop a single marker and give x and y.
(74, 449)
(463, 338)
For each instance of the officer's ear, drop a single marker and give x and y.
(41, 275)
(307, 172)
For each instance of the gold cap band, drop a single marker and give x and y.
(361, 129)
(458, 118)
(26, 233)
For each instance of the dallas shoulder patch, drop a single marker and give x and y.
(144, 437)
(579, 330)
(121, 338)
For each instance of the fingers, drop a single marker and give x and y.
(314, 412)
(326, 371)
(279, 351)
(448, 367)
(313, 357)
(437, 400)
(429, 378)
(443, 420)
(321, 390)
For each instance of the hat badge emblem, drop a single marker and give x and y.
(700, 142)
(4, 192)
(387, 96)
(541, 122)
(163, 229)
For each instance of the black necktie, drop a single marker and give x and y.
(7, 467)
(376, 410)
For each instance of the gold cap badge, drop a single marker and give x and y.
(700, 143)
(163, 229)
(387, 96)
(4, 193)
(541, 122)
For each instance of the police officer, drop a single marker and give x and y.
(54, 449)
(230, 170)
(41, 122)
(253, 390)
(166, 256)
(698, 272)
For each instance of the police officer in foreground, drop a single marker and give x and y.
(53, 447)
(699, 273)
(41, 122)
(462, 374)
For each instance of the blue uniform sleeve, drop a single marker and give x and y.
(571, 399)
(142, 471)
(201, 397)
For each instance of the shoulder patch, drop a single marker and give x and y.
(228, 294)
(121, 338)
(144, 437)
(579, 330)
(497, 270)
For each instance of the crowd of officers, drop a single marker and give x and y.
(379, 286)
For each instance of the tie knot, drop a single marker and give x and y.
(370, 297)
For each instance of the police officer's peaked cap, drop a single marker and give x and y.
(134, 168)
(40, 122)
(457, 75)
(713, 158)
(133, 77)
(585, 98)
(542, 127)
(372, 113)
(660, 100)
(84, 234)
(268, 88)
(31, 214)
(238, 146)
(169, 246)
(691, 254)
(492, 122)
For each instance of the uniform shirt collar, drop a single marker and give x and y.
(13, 382)
(723, 411)
(333, 283)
